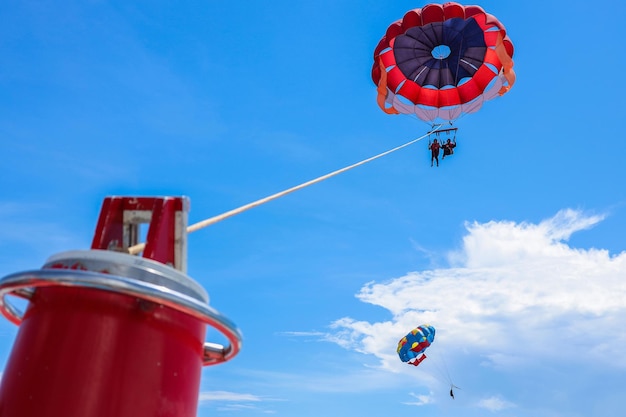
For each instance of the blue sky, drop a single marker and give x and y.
(513, 248)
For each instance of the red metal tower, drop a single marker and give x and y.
(106, 333)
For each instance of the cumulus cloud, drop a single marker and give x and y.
(513, 291)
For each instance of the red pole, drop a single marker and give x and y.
(109, 334)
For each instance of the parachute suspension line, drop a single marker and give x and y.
(445, 368)
(444, 373)
(136, 249)
(441, 370)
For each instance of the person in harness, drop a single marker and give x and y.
(448, 148)
(434, 152)
(452, 386)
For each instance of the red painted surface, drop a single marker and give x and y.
(89, 353)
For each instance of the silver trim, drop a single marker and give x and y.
(125, 265)
(23, 284)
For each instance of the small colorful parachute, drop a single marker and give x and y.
(442, 61)
(412, 346)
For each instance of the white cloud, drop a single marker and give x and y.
(302, 334)
(505, 243)
(516, 291)
(495, 404)
(235, 401)
(421, 399)
(230, 401)
(227, 396)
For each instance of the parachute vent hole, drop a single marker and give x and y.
(441, 52)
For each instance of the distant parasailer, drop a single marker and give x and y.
(411, 349)
(442, 61)
(412, 346)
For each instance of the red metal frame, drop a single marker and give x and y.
(166, 240)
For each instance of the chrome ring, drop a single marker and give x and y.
(23, 284)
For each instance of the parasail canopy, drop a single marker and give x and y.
(442, 61)
(412, 346)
